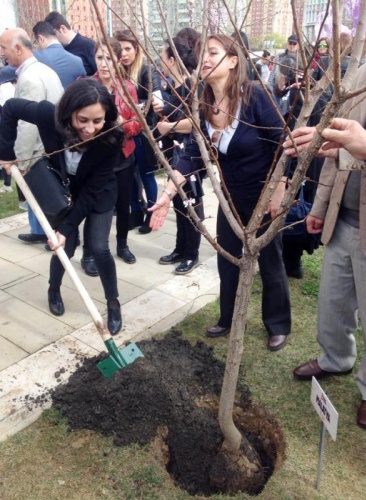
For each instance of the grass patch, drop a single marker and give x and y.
(9, 203)
(47, 462)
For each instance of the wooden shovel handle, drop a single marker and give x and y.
(61, 254)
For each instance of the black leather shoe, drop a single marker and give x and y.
(33, 238)
(114, 317)
(186, 266)
(217, 331)
(172, 258)
(89, 266)
(55, 303)
(294, 268)
(125, 254)
(276, 342)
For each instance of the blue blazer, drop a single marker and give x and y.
(68, 66)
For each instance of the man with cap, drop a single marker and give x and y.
(280, 62)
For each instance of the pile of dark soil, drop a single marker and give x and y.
(172, 392)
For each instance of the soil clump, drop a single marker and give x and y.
(170, 396)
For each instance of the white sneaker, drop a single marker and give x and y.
(6, 189)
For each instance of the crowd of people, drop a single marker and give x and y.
(78, 101)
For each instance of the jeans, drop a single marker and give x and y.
(97, 228)
(147, 175)
(35, 226)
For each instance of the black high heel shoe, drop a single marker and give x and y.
(114, 316)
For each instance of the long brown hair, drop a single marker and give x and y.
(116, 49)
(134, 70)
(238, 85)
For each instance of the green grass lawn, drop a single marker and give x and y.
(46, 462)
(9, 203)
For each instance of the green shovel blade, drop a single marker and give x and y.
(120, 359)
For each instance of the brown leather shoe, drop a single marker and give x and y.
(217, 331)
(361, 414)
(276, 342)
(312, 369)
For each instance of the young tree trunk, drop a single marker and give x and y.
(232, 437)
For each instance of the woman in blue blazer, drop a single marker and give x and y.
(244, 130)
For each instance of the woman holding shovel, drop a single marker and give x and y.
(82, 132)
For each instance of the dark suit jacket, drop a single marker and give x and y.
(93, 188)
(84, 48)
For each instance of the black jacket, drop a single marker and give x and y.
(143, 90)
(93, 188)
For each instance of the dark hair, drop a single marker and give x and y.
(113, 42)
(238, 87)
(188, 36)
(80, 94)
(243, 39)
(25, 42)
(188, 56)
(56, 20)
(266, 53)
(290, 65)
(43, 28)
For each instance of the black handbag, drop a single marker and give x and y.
(296, 231)
(51, 189)
(150, 156)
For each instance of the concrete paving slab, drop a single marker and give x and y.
(29, 328)
(10, 273)
(197, 283)
(3, 296)
(34, 293)
(10, 353)
(13, 250)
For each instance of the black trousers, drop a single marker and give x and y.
(276, 309)
(188, 238)
(97, 228)
(124, 183)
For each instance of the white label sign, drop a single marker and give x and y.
(324, 408)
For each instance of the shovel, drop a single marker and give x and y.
(119, 358)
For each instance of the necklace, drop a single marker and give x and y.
(216, 110)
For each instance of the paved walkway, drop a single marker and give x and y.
(39, 351)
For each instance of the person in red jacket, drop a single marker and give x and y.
(107, 75)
